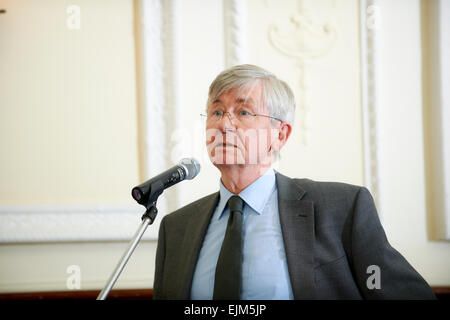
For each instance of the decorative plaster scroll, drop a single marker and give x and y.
(370, 79)
(304, 40)
(235, 22)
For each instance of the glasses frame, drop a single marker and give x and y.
(252, 114)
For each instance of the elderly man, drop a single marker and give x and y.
(264, 235)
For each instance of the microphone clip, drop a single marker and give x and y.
(156, 189)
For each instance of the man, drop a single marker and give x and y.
(267, 236)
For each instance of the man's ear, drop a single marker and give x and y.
(284, 131)
(281, 137)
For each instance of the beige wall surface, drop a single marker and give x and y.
(69, 127)
(68, 106)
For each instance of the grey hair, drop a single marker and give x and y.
(278, 97)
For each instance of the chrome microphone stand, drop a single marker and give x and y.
(147, 219)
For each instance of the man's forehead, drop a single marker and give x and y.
(248, 95)
(239, 99)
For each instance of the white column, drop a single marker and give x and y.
(159, 92)
(235, 29)
(370, 17)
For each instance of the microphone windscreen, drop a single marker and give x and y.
(191, 166)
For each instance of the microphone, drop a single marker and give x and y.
(187, 168)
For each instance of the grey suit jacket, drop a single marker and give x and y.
(332, 235)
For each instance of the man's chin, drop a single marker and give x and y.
(227, 161)
(221, 158)
(261, 168)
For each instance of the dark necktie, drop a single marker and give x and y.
(227, 283)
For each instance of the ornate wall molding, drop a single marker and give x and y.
(159, 90)
(370, 78)
(305, 40)
(235, 32)
(70, 223)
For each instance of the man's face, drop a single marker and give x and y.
(234, 136)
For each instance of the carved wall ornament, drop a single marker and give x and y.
(305, 39)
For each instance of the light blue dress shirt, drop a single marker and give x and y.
(264, 267)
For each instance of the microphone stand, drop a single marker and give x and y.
(147, 219)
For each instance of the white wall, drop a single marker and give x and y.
(83, 83)
(402, 180)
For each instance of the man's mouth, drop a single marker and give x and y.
(227, 145)
(215, 142)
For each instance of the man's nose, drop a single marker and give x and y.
(227, 122)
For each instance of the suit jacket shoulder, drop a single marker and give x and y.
(350, 240)
(333, 201)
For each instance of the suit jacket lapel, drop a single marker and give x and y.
(297, 225)
(196, 229)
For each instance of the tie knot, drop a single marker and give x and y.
(235, 203)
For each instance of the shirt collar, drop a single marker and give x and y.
(255, 195)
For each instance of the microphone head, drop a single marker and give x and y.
(191, 166)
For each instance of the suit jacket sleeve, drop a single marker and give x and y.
(370, 247)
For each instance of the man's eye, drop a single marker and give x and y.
(217, 113)
(244, 113)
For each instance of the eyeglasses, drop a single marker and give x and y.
(243, 116)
